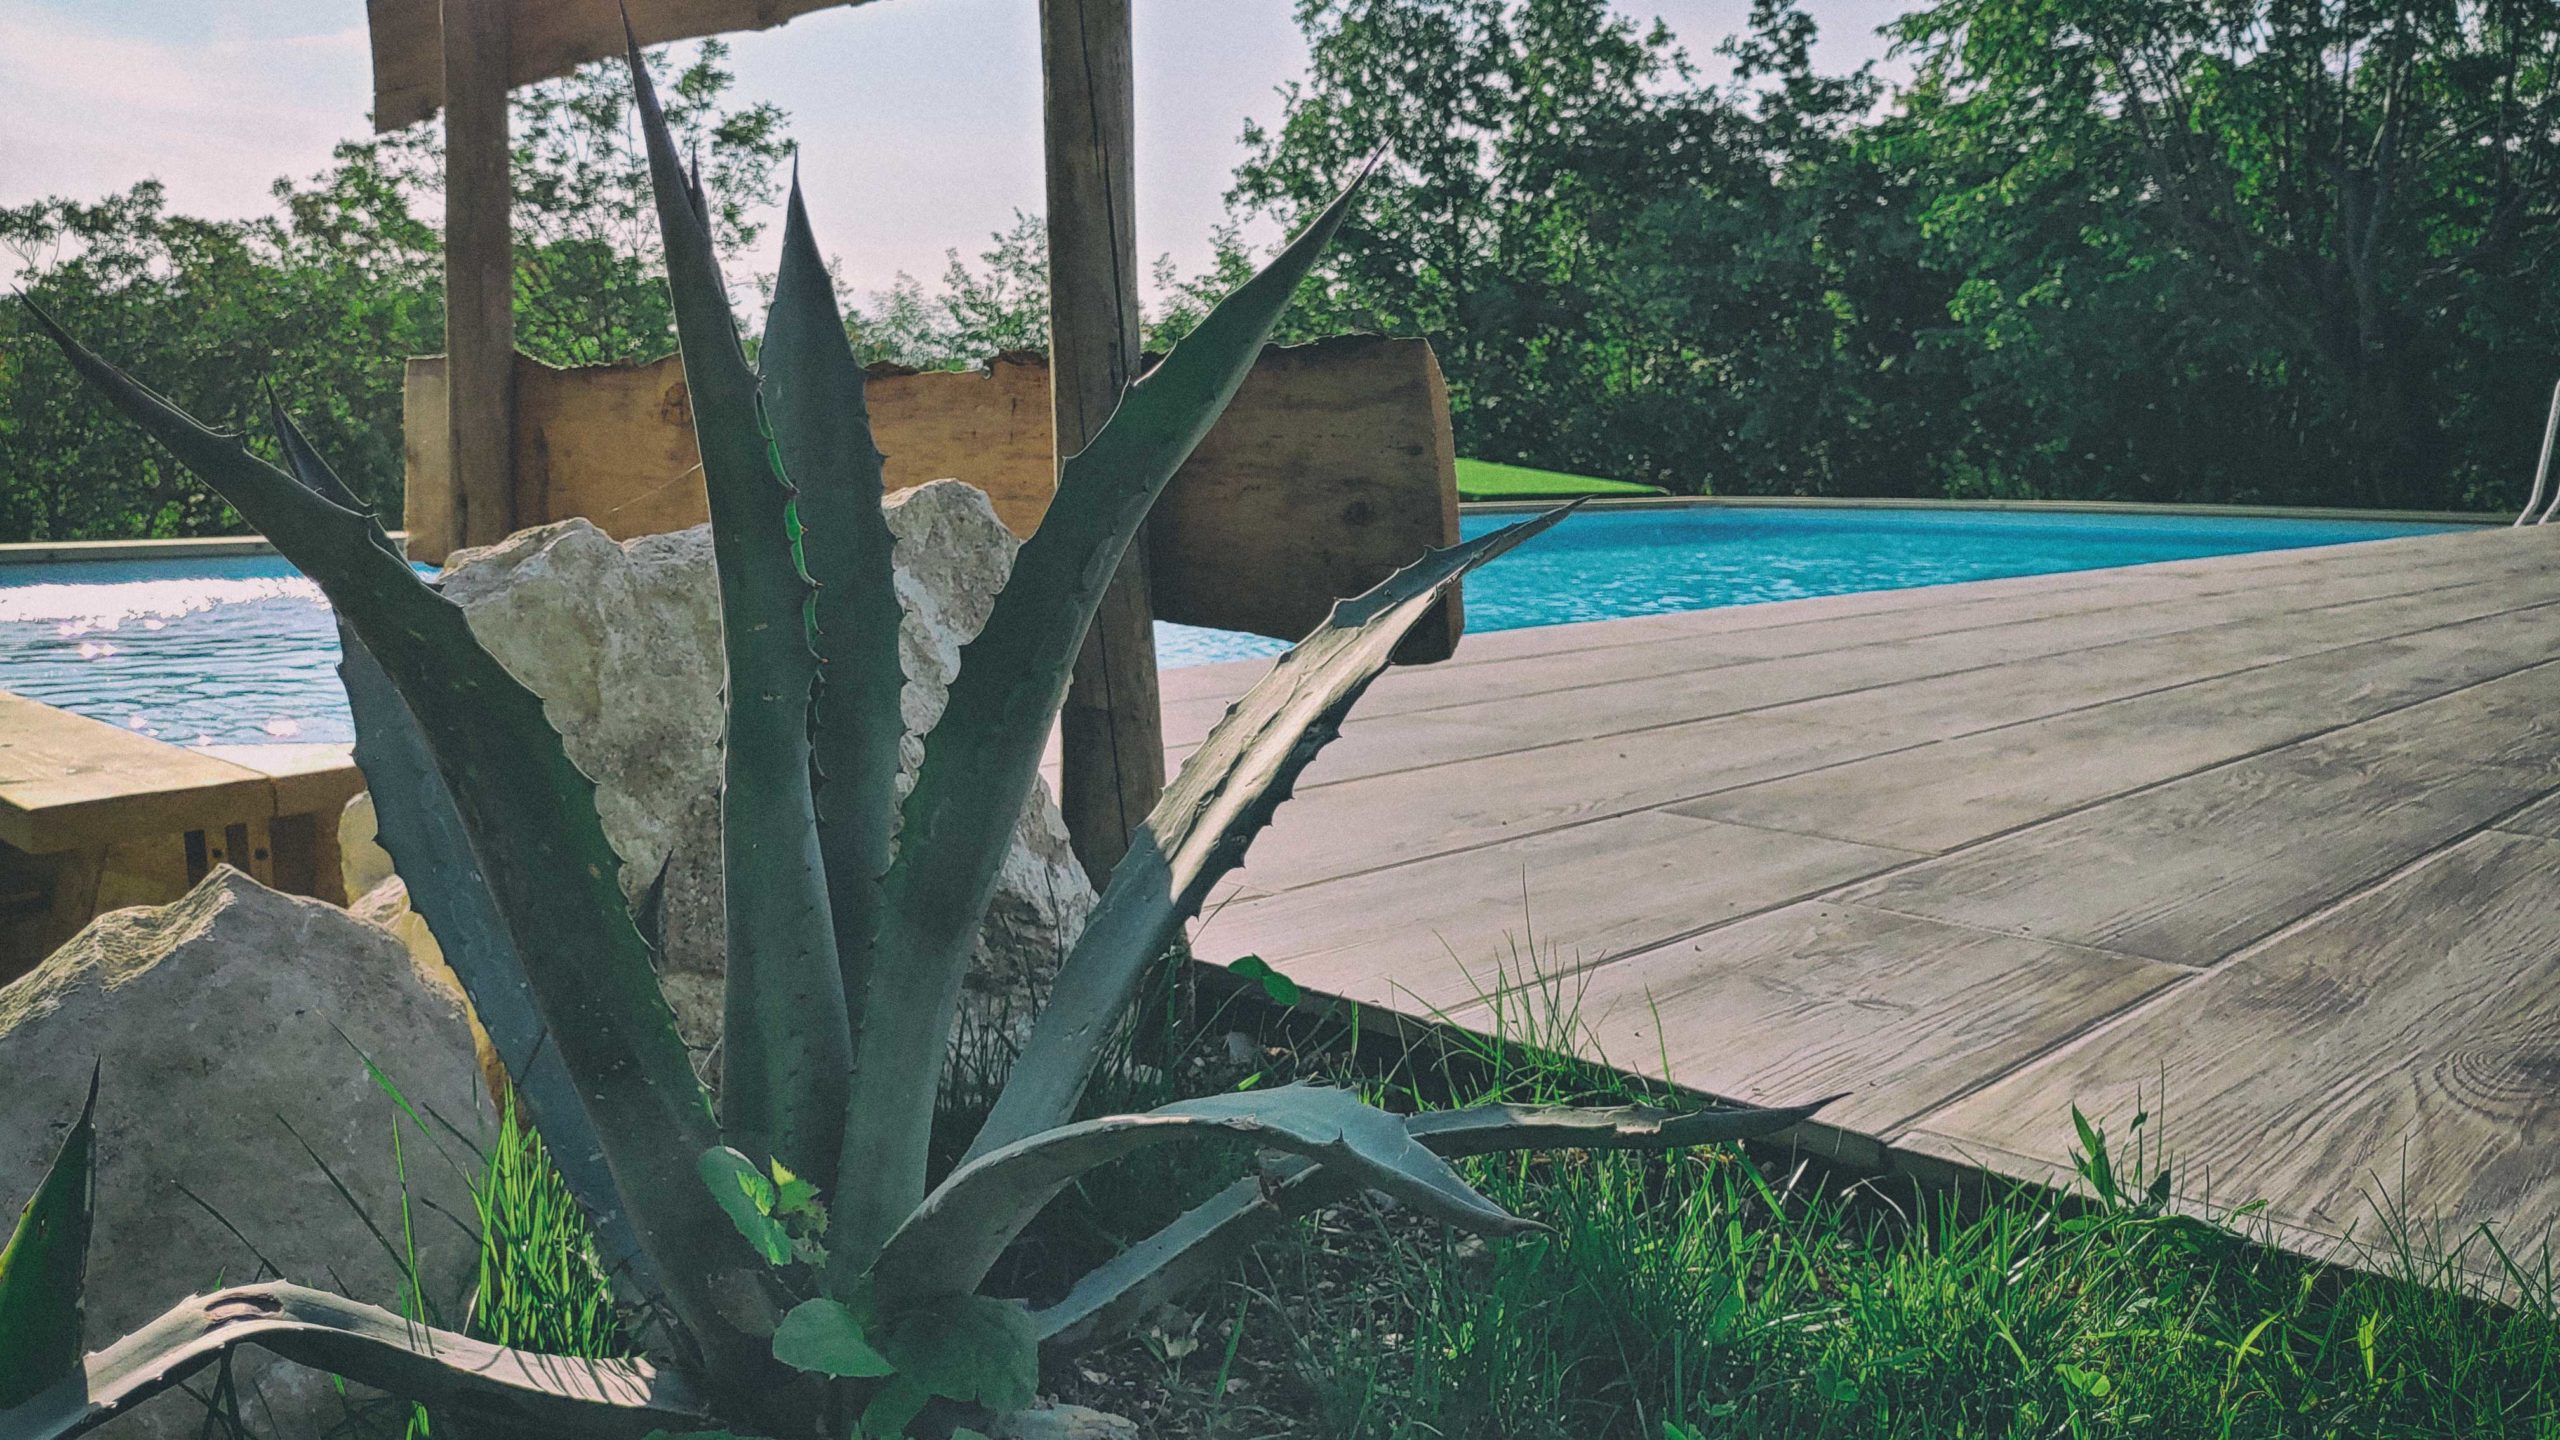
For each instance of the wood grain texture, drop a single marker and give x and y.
(1450, 778)
(1952, 792)
(1408, 815)
(1678, 681)
(1440, 933)
(69, 782)
(479, 270)
(1818, 998)
(1322, 478)
(1111, 739)
(552, 38)
(2194, 869)
(2404, 1046)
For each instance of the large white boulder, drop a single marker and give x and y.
(622, 642)
(231, 1030)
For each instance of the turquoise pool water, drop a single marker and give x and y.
(242, 650)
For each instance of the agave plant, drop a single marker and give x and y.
(808, 1279)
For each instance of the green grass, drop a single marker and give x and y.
(1705, 1294)
(1485, 480)
(1714, 1294)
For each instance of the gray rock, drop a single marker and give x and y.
(1063, 1422)
(227, 1026)
(622, 641)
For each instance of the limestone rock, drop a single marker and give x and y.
(622, 641)
(1063, 1422)
(232, 1028)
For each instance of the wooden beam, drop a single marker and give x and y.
(479, 272)
(1112, 731)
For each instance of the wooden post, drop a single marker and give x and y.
(479, 272)
(1112, 731)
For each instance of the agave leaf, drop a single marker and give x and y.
(531, 816)
(956, 1235)
(1196, 1247)
(786, 1043)
(1199, 830)
(419, 825)
(982, 758)
(478, 1384)
(813, 390)
(1205, 1240)
(1492, 1129)
(303, 463)
(45, 1266)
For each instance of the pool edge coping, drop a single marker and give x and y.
(2064, 507)
(34, 552)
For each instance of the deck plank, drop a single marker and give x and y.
(1440, 933)
(1948, 793)
(2399, 1048)
(2192, 870)
(67, 781)
(1926, 846)
(1819, 998)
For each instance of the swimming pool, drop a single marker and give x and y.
(233, 650)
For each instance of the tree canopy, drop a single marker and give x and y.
(2262, 251)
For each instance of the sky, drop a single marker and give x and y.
(919, 120)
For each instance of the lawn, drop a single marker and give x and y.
(1710, 1293)
(1485, 480)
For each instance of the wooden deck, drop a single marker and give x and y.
(2268, 845)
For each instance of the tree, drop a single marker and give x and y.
(322, 301)
(979, 313)
(2332, 201)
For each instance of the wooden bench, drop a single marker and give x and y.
(94, 818)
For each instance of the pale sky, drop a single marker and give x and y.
(918, 119)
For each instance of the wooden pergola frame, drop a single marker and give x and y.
(465, 56)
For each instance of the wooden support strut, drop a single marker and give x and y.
(1112, 730)
(479, 273)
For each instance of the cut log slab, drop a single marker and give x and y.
(2398, 1051)
(1330, 470)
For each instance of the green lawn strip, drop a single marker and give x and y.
(1680, 1297)
(1485, 480)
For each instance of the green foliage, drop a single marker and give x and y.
(541, 1283)
(2254, 252)
(323, 300)
(482, 786)
(44, 1267)
(825, 1337)
(1279, 989)
(969, 1348)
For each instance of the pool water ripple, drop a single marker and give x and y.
(242, 649)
